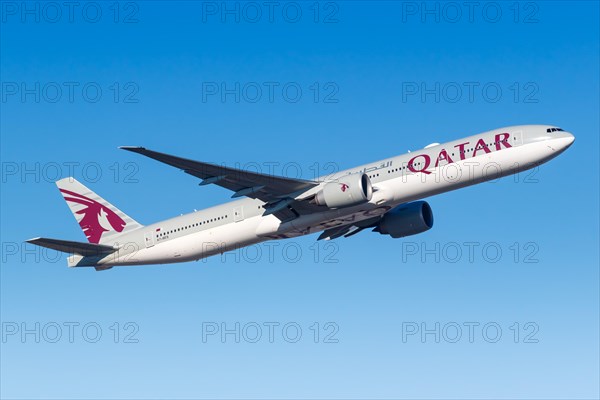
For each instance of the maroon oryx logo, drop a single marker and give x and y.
(344, 187)
(90, 223)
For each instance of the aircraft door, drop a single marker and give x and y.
(517, 138)
(238, 214)
(149, 239)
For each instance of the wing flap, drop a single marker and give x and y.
(348, 229)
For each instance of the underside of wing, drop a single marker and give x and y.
(348, 229)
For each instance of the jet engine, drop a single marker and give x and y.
(349, 190)
(406, 220)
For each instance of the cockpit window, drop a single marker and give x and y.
(554, 130)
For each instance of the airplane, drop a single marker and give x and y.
(385, 195)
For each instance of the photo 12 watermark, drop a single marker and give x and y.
(69, 92)
(70, 12)
(272, 12)
(70, 332)
(290, 92)
(52, 171)
(287, 169)
(270, 332)
(471, 12)
(469, 252)
(469, 332)
(277, 252)
(469, 92)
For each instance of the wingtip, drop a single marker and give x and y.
(131, 148)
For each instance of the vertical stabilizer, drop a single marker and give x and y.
(99, 220)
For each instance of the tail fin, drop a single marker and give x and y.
(99, 219)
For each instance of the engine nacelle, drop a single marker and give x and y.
(406, 219)
(349, 190)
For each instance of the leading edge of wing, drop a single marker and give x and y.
(243, 183)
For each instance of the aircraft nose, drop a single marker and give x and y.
(564, 140)
(570, 139)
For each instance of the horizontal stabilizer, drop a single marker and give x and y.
(67, 246)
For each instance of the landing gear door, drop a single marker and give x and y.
(149, 239)
(238, 214)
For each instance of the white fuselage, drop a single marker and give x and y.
(397, 180)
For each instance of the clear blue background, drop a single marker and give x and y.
(375, 286)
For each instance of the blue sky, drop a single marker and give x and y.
(300, 89)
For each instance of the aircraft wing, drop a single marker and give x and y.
(277, 191)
